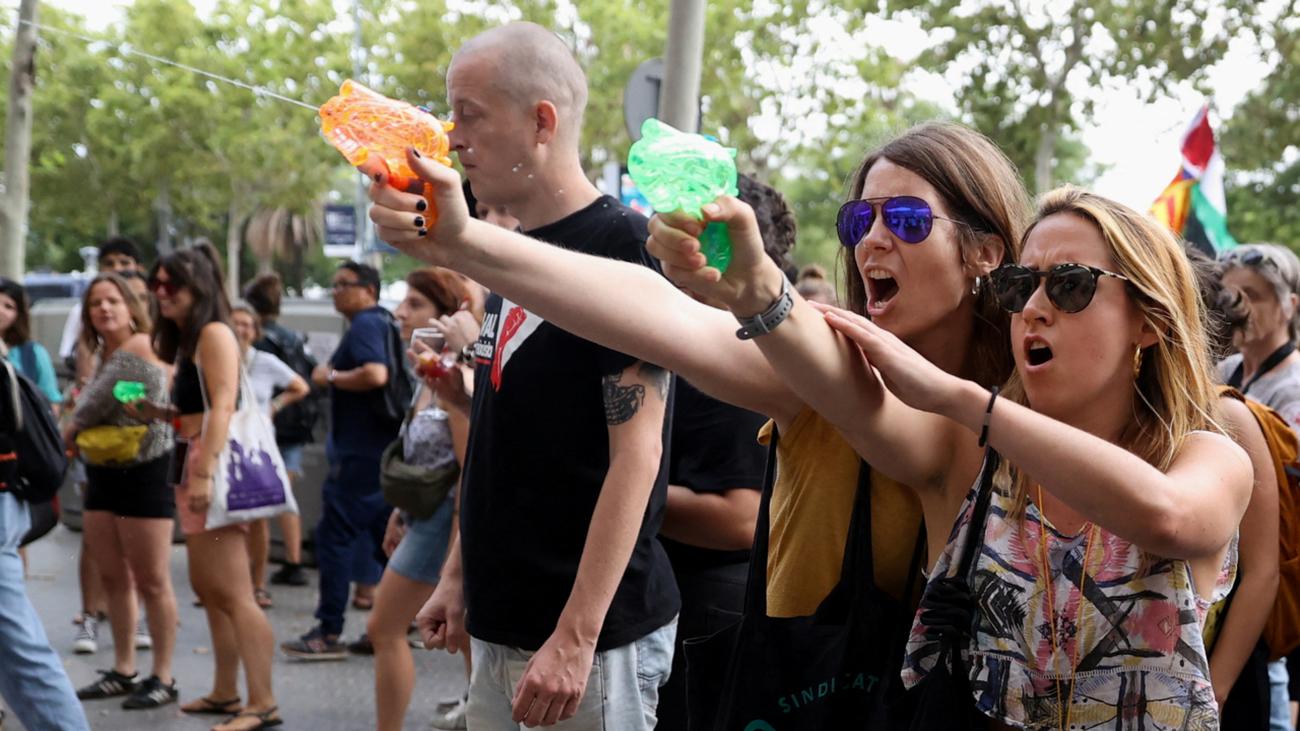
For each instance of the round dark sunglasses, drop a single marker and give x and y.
(1070, 287)
(907, 217)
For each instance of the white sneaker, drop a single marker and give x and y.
(87, 633)
(143, 641)
(452, 715)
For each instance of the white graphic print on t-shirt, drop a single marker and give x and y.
(501, 336)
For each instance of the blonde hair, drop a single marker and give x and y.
(1175, 382)
(137, 307)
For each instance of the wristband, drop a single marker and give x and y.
(988, 416)
(767, 320)
(329, 378)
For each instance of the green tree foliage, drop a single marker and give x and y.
(127, 145)
(1021, 65)
(1261, 144)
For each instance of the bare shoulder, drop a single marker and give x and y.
(1236, 415)
(1215, 451)
(216, 335)
(140, 345)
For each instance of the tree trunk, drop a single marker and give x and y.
(114, 226)
(162, 206)
(296, 269)
(18, 146)
(234, 243)
(1043, 158)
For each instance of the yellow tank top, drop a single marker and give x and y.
(812, 500)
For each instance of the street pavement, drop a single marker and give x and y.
(319, 696)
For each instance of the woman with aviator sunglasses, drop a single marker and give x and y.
(1111, 520)
(933, 298)
(193, 331)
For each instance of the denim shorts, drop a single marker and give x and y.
(292, 454)
(420, 555)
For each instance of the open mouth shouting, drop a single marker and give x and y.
(1037, 352)
(881, 290)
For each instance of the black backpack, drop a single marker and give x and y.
(396, 395)
(297, 421)
(29, 431)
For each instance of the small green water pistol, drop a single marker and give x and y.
(128, 391)
(678, 171)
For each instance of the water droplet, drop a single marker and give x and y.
(560, 191)
(514, 169)
(470, 150)
(530, 176)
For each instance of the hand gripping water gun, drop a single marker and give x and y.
(128, 391)
(680, 171)
(373, 132)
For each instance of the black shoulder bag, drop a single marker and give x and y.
(831, 670)
(942, 701)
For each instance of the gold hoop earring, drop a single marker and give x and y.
(1137, 361)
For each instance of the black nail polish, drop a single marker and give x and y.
(423, 204)
(424, 232)
(419, 221)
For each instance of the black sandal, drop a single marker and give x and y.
(266, 719)
(212, 707)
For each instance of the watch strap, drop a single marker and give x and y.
(767, 320)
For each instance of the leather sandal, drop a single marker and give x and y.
(265, 719)
(213, 707)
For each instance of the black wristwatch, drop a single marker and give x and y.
(466, 355)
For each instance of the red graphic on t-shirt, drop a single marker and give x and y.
(514, 320)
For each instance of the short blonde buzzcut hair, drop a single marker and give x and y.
(533, 64)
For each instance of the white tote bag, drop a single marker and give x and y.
(250, 481)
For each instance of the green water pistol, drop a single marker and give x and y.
(128, 391)
(678, 171)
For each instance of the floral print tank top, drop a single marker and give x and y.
(1141, 660)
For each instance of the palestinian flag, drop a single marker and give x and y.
(1193, 205)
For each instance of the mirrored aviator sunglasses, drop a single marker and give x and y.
(1070, 287)
(907, 217)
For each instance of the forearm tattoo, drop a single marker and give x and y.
(621, 402)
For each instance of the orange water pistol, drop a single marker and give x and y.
(373, 132)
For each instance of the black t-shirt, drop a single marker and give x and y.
(538, 455)
(714, 449)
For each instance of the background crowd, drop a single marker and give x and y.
(1012, 482)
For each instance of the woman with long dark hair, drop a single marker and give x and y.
(193, 332)
(29, 357)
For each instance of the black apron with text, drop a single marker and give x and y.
(835, 669)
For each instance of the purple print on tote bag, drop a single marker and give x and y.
(250, 482)
(254, 482)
